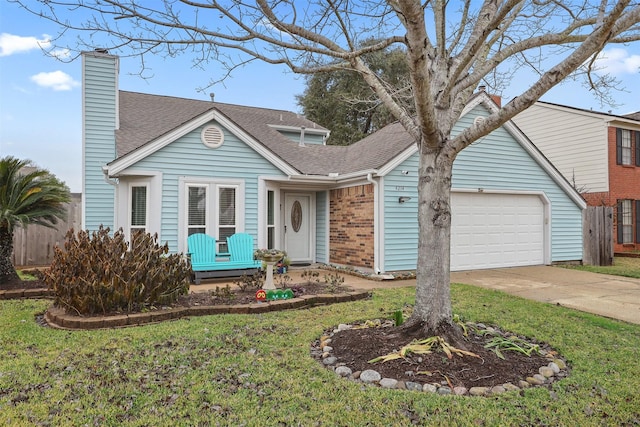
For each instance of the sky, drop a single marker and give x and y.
(40, 96)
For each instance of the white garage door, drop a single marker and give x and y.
(496, 230)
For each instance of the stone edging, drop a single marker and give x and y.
(25, 293)
(555, 370)
(57, 318)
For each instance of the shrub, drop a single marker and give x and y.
(98, 273)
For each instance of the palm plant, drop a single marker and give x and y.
(26, 197)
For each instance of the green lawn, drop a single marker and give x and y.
(622, 266)
(257, 371)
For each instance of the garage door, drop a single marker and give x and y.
(496, 230)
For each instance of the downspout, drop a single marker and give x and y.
(376, 225)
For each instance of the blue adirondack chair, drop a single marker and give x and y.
(204, 263)
(241, 248)
(202, 251)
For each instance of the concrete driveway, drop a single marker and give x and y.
(610, 296)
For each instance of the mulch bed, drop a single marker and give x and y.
(356, 347)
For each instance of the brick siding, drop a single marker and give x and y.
(624, 183)
(351, 232)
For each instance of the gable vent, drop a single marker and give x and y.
(212, 136)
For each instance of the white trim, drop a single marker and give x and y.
(314, 131)
(122, 196)
(146, 150)
(378, 257)
(212, 221)
(327, 226)
(397, 161)
(529, 147)
(312, 223)
(546, 203)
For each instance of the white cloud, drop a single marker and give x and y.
(56, 80)
(618, 61)
(11, 44)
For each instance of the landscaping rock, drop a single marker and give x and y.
(444, 390)
(498, 389)
(388, 383)
(329, 360)
(546, 372)
(459, 391)
(554, 367)
(510, 387)
(478, 391)
(429, 388)
(369, 376)
(410, 385)
(343, 371)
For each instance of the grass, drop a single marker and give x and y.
(257, 371)
(622, 266)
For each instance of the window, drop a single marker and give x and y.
(625, 221)
(226, 216)
(138, 220)
(196, 210)
(212, 207)
(623, 146)
(271, 215)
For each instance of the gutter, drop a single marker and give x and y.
(376, 224)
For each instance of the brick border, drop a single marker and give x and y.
(57, 318)
(25, 293)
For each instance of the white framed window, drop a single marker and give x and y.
(271, 219)
(226, 219)
(197, 202)
(138, 208)
(213, 207)
(623, 146)
(627, 221)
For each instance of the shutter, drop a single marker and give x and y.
(618, 146)
(637, 148)
(620, 233)
(637, 221)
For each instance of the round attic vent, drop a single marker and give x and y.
(478, 120)
(212, 136)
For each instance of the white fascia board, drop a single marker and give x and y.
(146, 150)
(620, 122)
(545, 164)
(529, 147)
(299, 129)
(397, 161)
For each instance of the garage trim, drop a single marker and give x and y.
(546, 203)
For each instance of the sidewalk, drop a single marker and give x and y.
(605, 295)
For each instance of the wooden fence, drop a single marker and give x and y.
(597, 233)
(33, 246)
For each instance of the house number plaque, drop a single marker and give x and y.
(296, 216)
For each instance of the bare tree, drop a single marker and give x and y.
(451, 48)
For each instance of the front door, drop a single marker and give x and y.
(297, 227)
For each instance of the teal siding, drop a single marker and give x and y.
(188, 157)
(497, 162)
(99, 121)
(321, 226)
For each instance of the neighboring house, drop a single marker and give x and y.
(178, 166)
(599, 153)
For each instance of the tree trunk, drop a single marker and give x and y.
(7, 270)
(432, 314)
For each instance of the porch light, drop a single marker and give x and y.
(403, 199)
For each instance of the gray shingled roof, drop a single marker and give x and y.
(633, 116)
(144, 118)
